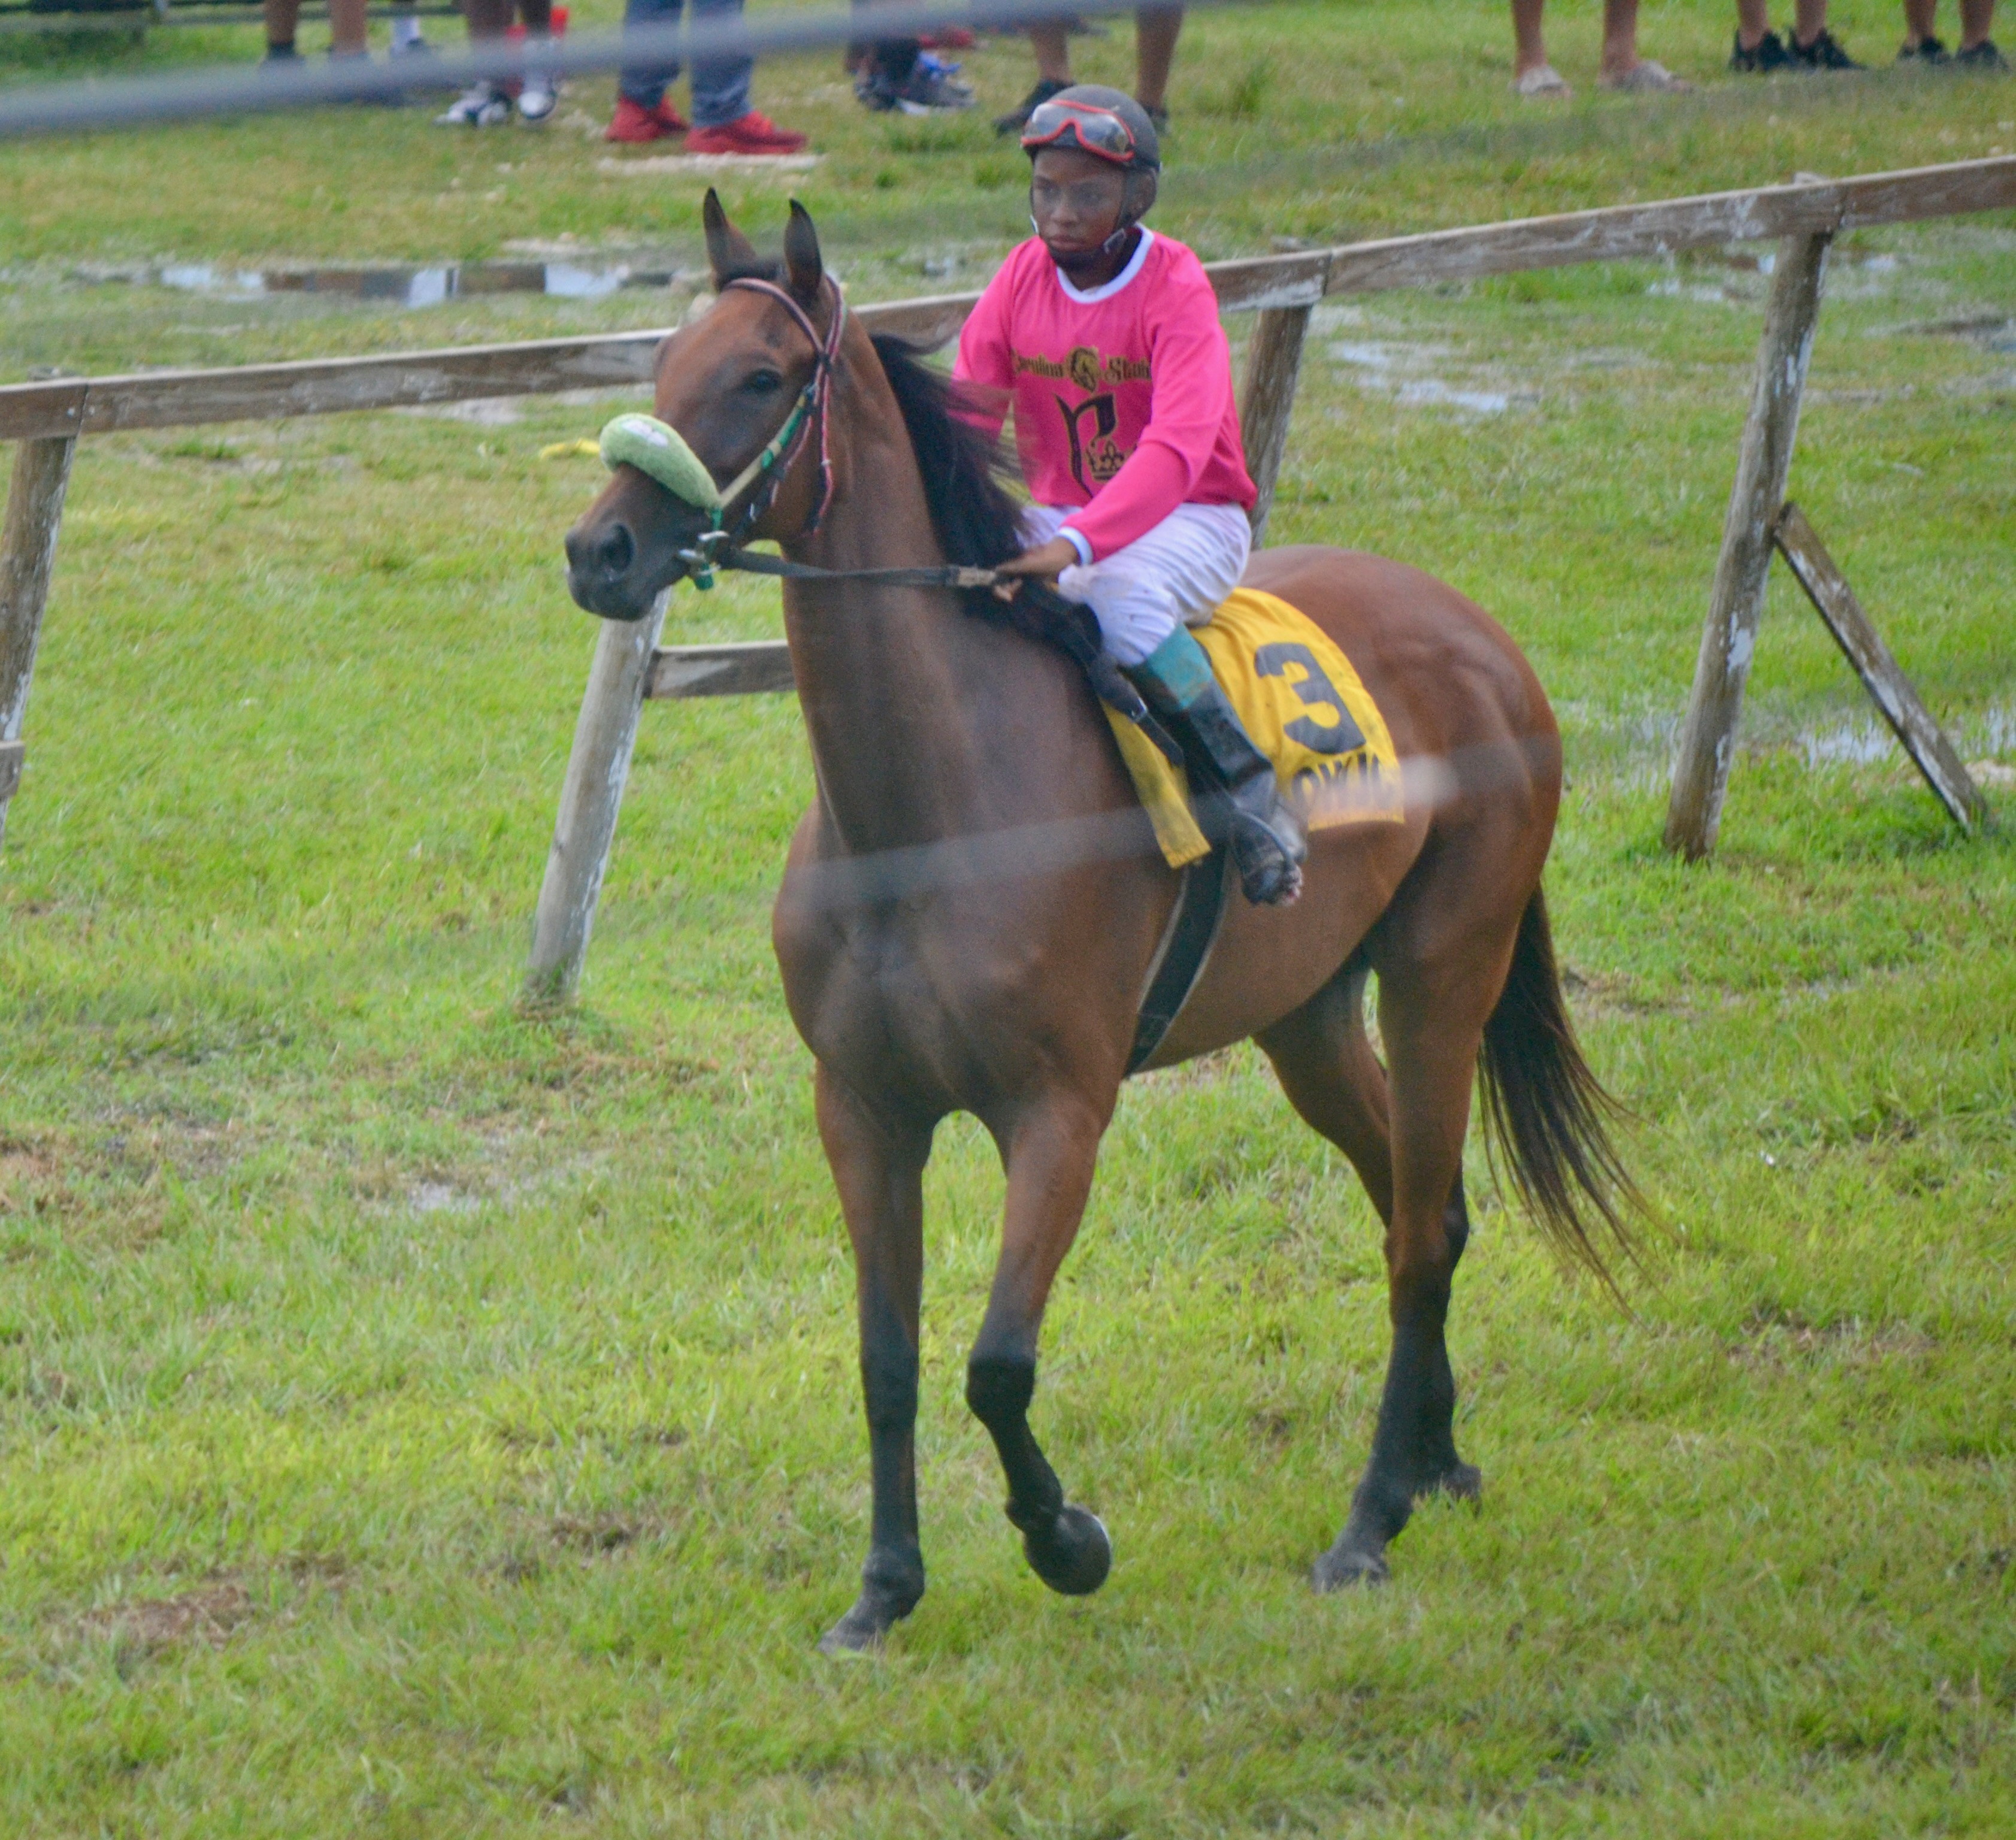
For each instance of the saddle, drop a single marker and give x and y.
(1307, 709)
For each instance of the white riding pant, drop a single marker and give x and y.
(1175, 575)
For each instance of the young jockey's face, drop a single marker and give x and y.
(1076, 199)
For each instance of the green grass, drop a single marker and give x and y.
(419, 1418)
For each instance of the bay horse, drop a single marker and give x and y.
(946, 945)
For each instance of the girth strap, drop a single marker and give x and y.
(1184, 951)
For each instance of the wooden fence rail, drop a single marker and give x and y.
(47, 417)
(1624, 232)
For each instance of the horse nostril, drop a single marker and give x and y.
(619, 550)
(608, 554)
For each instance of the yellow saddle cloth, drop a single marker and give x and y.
(1305, 708)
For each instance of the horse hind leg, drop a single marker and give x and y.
(1334, 1080)
(1050, 1153)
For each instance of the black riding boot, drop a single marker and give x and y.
(1265, 837)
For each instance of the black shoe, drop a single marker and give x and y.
(1265, 836)
(1764, 59)
(875, 92)
(1825, 53)
(1927, 50)
(1158, 119)
(279, 57)
(1017, 118)
(1983, 57)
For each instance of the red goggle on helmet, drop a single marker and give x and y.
(1084, 125)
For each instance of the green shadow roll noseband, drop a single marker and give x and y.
(659, 451)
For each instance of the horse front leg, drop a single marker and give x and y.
(878, 1166)
(1050, 1151)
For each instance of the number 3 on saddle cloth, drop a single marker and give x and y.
(1306, 709)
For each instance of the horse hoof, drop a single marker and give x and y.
(1342, 1568)
(860, 1632)
(1074, 1555)
(1461, 1481)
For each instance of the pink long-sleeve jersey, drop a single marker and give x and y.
(1123, 394)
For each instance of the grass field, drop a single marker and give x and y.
(418, 1418)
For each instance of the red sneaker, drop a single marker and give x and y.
(634, 123)
(751, 133)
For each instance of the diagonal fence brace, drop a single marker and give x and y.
(1889, 688)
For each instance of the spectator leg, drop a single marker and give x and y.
(1810, 21)
(1526, 30)
(283, 19)
(488, 19)
(1976, 17)
(347, 27)
(1051, 42)
(1157, 28)
(645, 85)
(1620, 37)
(891, 58)
(1919, 18)
(720, 84)
(1753, 20)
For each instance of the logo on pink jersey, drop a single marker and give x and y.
(1096, 456)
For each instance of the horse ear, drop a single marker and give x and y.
(728, 252)
(803, 266)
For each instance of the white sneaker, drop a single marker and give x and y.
(482, 105)
(539, 96)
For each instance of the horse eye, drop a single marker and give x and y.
(764, 382)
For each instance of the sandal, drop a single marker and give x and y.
(1647, 77)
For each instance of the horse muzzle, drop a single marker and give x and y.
(618, 561)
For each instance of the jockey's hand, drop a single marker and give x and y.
(1046, 561)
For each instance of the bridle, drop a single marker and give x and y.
(766, 472)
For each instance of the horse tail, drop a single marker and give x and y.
(1548, 1115)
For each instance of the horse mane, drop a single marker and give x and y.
(965, 473)
(965, 470)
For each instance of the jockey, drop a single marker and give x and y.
(1105, 338)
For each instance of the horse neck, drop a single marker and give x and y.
(900, 688)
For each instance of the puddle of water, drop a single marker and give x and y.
(1383, 365)
(441, 1197)
(1373, 356)
(1433, 390)
(412, 287)
(1855, 743)
(1671, 287)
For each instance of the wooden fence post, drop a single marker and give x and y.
(589, 799)
(1267, 401)
(1736, 603)
(1888, 688)
(27, 555)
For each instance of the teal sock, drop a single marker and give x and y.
(1175, 674)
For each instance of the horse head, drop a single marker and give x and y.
(726, 384)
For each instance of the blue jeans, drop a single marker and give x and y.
(720, 84)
